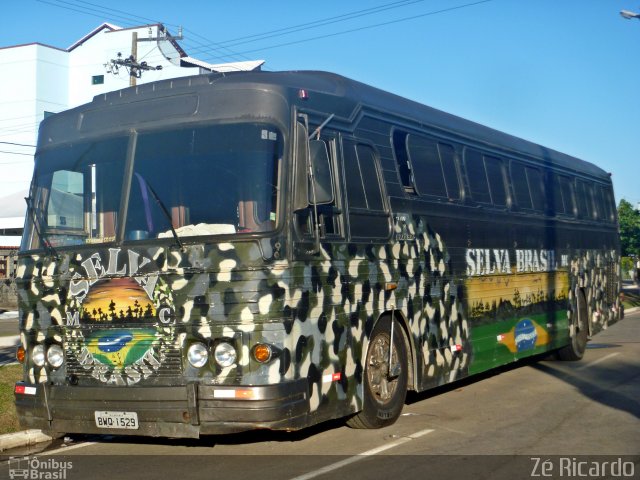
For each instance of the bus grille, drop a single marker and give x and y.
(91, 351)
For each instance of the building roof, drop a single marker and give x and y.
(105, 26)
(223, 67)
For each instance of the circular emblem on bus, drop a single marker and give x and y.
(525, 335)
(118, 328)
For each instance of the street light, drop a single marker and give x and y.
(629, 15)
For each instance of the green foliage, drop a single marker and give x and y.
(626, 265)
(9, 375)
(629, 220)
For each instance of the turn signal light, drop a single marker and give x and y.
(20, 354)
(262, 353)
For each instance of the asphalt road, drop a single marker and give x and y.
(572, 415)
(8, 337)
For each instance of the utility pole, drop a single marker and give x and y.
(134, 56)
(131, 63)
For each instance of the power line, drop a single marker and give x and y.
(128, 20)
(17, 153)
(124, 20)
(366, 27)
(316, 23)
(19, 144)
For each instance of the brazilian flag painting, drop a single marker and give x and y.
(119, 348)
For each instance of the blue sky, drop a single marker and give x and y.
(565, 74)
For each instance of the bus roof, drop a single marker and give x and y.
(355, 93)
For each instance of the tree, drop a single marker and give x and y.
(629, 220)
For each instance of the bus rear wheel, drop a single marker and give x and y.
(385, 382)
(579, 333)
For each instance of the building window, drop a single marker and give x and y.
(97, 80)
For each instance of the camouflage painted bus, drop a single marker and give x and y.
(221, 253)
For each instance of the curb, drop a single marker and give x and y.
(24, 438)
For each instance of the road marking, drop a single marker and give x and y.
(65, 449)
(362, 456)
(595, 362)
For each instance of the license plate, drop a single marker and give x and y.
(126, 420)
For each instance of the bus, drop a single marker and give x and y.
(220, 253)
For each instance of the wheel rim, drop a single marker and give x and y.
(381, 386)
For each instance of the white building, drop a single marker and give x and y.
(38, 80)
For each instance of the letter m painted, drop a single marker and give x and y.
(73, 319)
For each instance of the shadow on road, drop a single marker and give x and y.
(598, 382)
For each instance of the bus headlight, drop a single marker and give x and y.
(198, 354)
(37, 355)
(224, 354)
(55, 356)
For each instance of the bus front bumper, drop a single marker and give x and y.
(186, 411)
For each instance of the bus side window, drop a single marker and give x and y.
(427, 173)
(608, 203)
(477, 176)
(329, 216)
(568, 195)
(448, 161)
(557, 203)
(368, 217)
(520, 186)
(536, 188)
(583, 200)
(495, 174)
(402, 160)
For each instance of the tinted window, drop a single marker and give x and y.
(427, 171)
(478, 183)
(536, 188)
(496, 180)
(353, 178)
(520, 185)
(609, 206)
(558, 204)
(370, 180)
(567, 190)
(367, 218)
(224, 180)
(447, 158)
(583, 201)
(402, 159)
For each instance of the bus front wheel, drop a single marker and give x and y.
(385, 380)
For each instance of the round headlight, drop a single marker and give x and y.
(37, 355)
(198, 354)
(225, 354)
(55, 356)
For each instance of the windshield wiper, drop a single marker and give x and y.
(165, 212)
(46, 242)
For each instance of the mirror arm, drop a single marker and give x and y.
(321, 126)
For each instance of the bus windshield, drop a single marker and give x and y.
(205, 180)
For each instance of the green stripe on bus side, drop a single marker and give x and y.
(489, 352)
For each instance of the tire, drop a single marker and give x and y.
(580, 326)
(384, 396)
